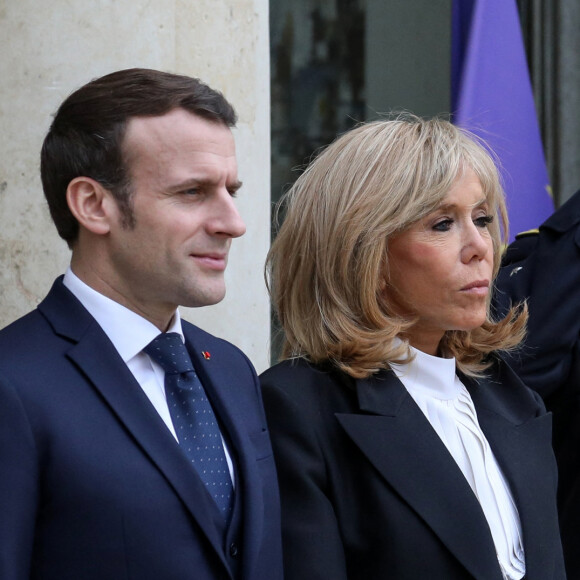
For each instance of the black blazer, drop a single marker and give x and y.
(93, 486)
(370, 492)
(544, 267)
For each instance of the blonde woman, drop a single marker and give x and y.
(406, 448)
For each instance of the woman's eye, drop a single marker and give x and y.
(483, 221)
(443, 225)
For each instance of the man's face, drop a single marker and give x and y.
(184, 176)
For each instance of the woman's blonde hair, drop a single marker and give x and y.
(328, 266)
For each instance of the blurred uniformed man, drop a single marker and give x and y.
(543, 266)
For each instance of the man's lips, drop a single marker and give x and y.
(212, 260)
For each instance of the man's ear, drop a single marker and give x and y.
(92, 205)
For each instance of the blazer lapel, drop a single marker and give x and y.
(399, 441)
(114, 381)
(520, 444)
(230, 400)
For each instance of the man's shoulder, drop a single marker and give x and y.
(22, 326)
(29, 348)
(195, 333)
(42, 330)
(524, 244)
(210, 345)
(557, 229)
(565, 218)
(56, 298)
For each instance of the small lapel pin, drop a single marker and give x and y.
(515, 270)
(206, 354)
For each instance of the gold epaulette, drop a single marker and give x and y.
(533, 232)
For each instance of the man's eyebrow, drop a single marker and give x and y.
(186, 184)
(200, 182)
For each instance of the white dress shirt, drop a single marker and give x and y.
(447, 404)
(130, 334)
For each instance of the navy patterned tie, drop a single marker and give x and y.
(193, 418)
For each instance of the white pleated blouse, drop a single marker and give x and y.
(435, 387)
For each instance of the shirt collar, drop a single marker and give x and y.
(433, 375)
(128, 331)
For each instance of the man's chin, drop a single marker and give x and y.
(206, 299)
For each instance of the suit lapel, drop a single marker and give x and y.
(400, 442)
(519, 443)
(127, 401)
(230, 399)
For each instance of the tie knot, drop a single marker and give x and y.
(170, 353)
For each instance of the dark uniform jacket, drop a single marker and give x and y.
(544, 268)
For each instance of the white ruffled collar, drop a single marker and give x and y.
(433, 375)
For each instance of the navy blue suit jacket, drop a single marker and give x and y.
(369, 491)
(93, 486)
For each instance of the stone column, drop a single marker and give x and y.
(51, 48)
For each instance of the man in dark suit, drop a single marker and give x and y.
(99, 479)
(543, 266)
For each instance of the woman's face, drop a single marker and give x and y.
(441, 267)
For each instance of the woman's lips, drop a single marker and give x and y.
(479, 287)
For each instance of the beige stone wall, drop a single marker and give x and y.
(50, 48)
